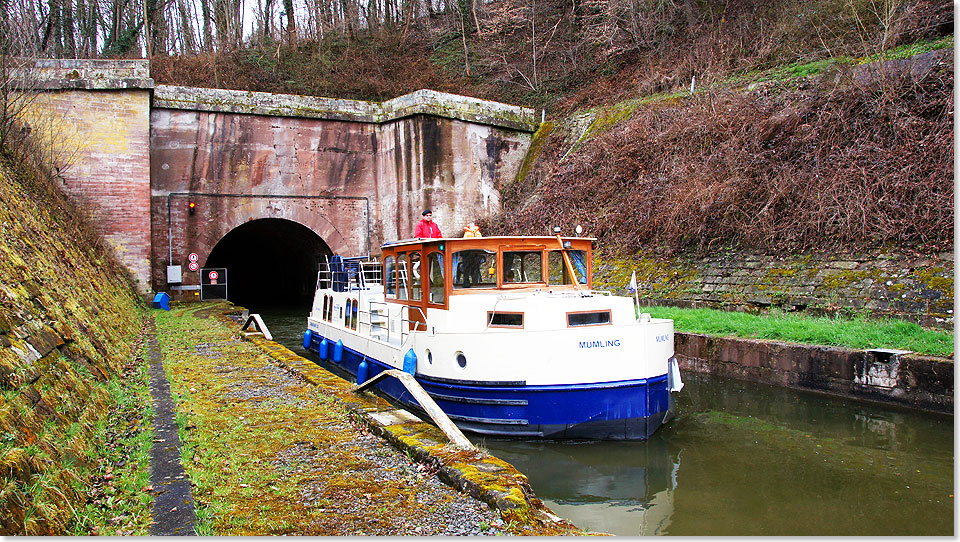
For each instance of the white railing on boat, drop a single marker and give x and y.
(349, 274)
(361, 274)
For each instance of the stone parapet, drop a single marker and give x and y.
(421, 102)
(88, 74)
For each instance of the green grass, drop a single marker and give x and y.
(857, 333)
(909, 50)
(121, 506)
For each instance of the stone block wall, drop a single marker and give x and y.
(919, 288)
(423, 150)
(904, 379)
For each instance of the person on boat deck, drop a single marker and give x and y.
(427, 228)
(471, 230)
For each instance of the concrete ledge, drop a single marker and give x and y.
(910, 380)
(65, 74)
(421, 102)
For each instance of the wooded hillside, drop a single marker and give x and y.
(685, 125)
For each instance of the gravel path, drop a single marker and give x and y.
(278, 456)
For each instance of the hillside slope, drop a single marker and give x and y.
(856, 158)
(68, 323)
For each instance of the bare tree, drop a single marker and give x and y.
(18, 51)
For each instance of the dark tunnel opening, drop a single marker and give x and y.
(271, 263)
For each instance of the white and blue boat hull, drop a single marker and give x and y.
(623, 410)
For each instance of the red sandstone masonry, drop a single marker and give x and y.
(922, 382)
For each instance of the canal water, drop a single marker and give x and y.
(742, 459)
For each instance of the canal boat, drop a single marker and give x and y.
(505, 334)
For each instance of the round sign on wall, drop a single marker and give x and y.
(214, 275)
(193, 257)
(193, 266)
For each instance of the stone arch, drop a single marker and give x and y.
(270, 262)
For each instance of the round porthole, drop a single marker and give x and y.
(430, 357)
(461, 360)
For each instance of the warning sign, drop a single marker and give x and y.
(193, 257)
(213, 283)
(193, 266)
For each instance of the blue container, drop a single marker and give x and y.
(410, 362)
(322, 349)
(307, 339)
(338, 352)
(362, 372)
(161, 301)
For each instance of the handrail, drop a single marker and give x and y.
(405, 329)
(426, 402)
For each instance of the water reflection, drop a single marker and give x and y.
(614, 487)
(743, 459)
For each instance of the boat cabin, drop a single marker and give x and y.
(428, 272)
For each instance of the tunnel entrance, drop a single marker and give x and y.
(271, 263)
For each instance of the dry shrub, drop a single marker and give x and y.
(850, 161)
(379, 67)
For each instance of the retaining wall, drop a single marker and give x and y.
(913, 287)
(887, 376)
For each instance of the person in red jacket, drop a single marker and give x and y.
(427, 228)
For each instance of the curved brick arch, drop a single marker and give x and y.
(341, 223)
(269, 262)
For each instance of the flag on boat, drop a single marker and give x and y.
(633, 282)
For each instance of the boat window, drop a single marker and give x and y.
(505, 319)
(524, 266)
(402, 273)
(559, 274)
(415, 280)
(474, 268)
(389, 281)
(597, 318)
(437, 286)
(346, 316)
(354, 313)
(326, 301)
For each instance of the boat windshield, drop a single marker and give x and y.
(522, 266)
(474, 268)
(559, 274)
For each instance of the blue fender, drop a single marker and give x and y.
(362, 372)
(322, 349)
(338, 352)
(410, 362)
(307, 339)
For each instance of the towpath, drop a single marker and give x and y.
(172, 512)
(271, 452)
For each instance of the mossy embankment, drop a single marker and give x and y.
(71, 394)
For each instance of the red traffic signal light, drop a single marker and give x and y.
(192, 206)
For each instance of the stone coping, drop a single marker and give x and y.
(421, 102)
(85, 74)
